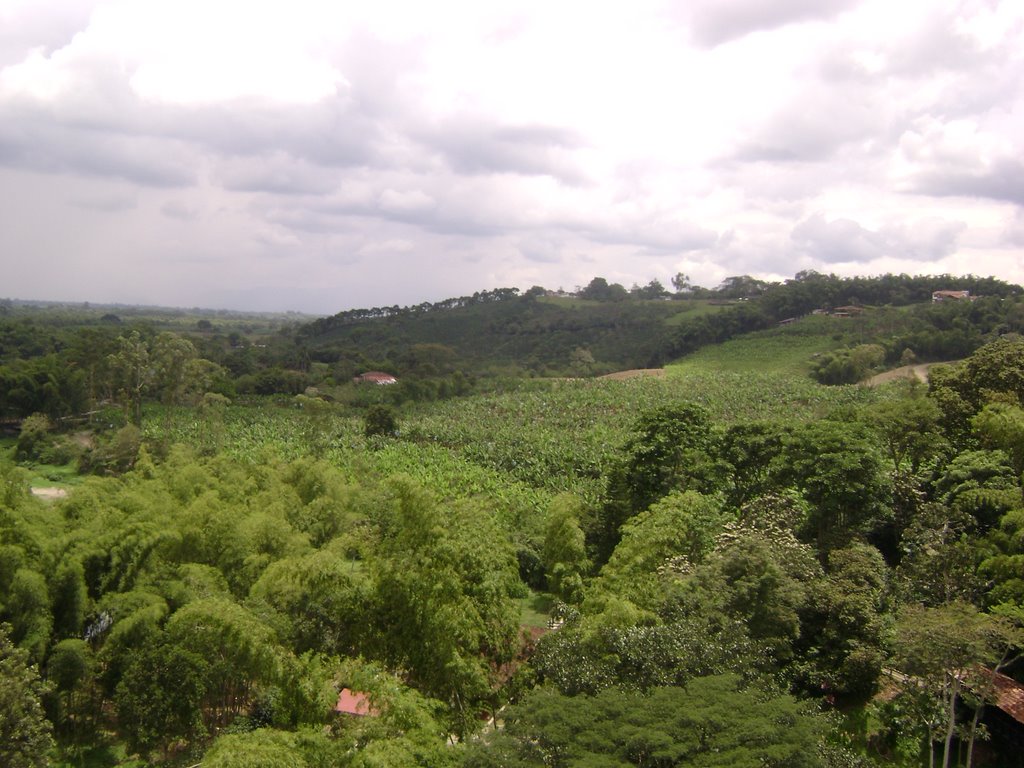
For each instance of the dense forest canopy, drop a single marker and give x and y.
(514, 563)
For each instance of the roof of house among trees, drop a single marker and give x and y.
(1009, 695)
(376, 377)
(355, 703)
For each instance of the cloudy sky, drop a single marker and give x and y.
(319, 156)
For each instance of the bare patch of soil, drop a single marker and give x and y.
(920, 372)
(49, 493)
(84, 439)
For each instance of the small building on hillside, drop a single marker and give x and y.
(355, 703)
(938, 296)
(1004, 719)
(848, 311)
(375, 377)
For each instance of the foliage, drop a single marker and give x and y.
(380, 420)
(442, 592)
(909, 427)
(671, 536)
(284, 553)
(944, 655)
(713, 721)
(837, 467)
(1001, 426)
(160, 695)
(565, 555)
(25, 740)
(848, 366)
(843, 626)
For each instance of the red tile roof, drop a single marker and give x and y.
(355, 703)
(1009, 695)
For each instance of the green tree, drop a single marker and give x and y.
(837, 467)
(669, 537)
(238, 651)
(1001, 426)
(909, 428)
(713, 721)
(380, 420)
(160, 696)
(267, 748)
(681, 283)
(747, 581)
(27, 608)
(171, 356)
(35, 434)
(581, 362)
(25, 740)
(69, 599)
(71, 669)
(943, 654)
(564, 552)
(132, 372)
(672, 448)
(749, 449)
(322, 598)
(843, 625)
(443, 588)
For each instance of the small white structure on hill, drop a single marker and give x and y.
(375, 377)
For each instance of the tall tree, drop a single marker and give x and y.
(25, 740)
(565, 554)
(945, 656)
(133, 373)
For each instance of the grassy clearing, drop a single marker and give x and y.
(787, 349)
(54, 475)
(535, 609)
(688, 309)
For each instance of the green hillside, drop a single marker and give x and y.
(530, 334)
(591, 333)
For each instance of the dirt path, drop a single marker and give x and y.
(634, 374)
(920, 372)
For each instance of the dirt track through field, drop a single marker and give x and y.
(920, 372)
(634, 374)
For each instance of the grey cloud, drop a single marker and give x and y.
(654, 235)
(541, 250)
(104, 128)
(713, 22)
(1001, 179)
(107, 203)
(277, 173)
(475, 146)
(330, 133)
(841, 240)
(29, 141)
(175, 209)
(816, 125)
(926, 239)
(846, 241)
(1014, 232)
(938, 43)
(975, 77)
